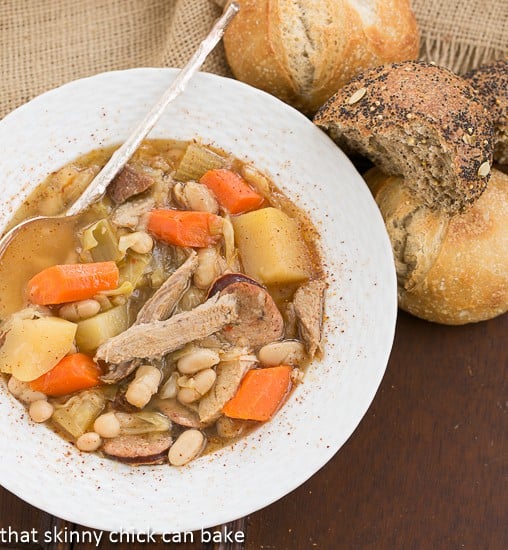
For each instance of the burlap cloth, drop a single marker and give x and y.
(45, 43)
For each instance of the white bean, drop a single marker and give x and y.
(196, 360)
(139, 242)
(144, 386)
(107, 425)
(230, 250)
(41, 410)
(72, 350)
(188, 446)
(187, 395)
(89, 442)
(229, 427)
(196, 196)
(297, 375)
(16, 387)
(23, 392)
(30, 396)
(208, 268)
(287, 352)
(192, 389)
(169, 389)
(76, 311)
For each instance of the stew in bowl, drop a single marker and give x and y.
(188, 302)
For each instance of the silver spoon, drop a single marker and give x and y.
(119, 159)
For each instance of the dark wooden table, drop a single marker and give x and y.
(426, 468)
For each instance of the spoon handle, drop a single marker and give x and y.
(122, 155)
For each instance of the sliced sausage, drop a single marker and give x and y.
(179, 414)
(139, 449)
(227, 279)
(259, 320)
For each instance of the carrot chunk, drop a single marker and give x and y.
(71, 282)
(260, 394)
(185, 227)
(72, 373)
(231, 190)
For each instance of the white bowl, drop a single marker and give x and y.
(321, 414)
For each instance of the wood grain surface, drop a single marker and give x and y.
(426, 468)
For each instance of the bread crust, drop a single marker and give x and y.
(465, 274)
(491, 83)
(303, 51)
(415, 231)
(420, 121)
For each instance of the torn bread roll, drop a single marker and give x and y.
(491, 83)
(420, 121)
(450, 270)
(303, 51)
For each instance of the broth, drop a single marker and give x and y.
(142, 273)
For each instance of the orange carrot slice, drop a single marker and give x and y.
(72, 373)
(185, 227)
(71, 282)
(231, 190)
(260, 394)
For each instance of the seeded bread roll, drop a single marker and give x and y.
(302, 51)
(417, 120)
(491, 83)
(450, 270)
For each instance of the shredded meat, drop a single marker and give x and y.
(153, 340)
(244, 313)
(129, 182)
(162, 303)
(229, 376)
(129, 214)
(157, 308)
(308, 306)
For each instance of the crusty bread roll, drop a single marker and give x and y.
(420, 121)
(302, 51)
(491, 83)
(449, 270)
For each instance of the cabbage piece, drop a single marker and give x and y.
(142, 422)
(101, 241)
(132, 268)
(77, 414)
(164, 260)
(125, 289)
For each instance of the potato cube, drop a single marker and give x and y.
(96, 330)
(32, 347)
(271, 247)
